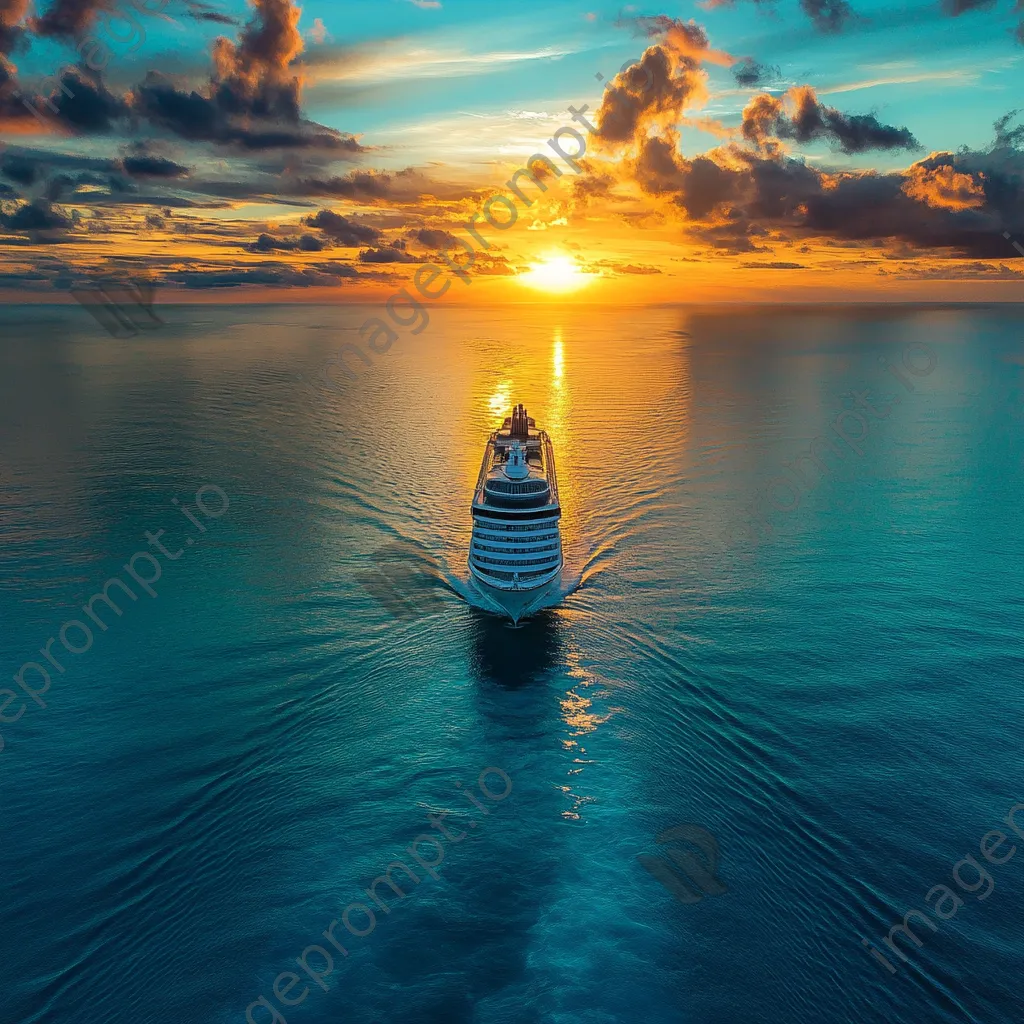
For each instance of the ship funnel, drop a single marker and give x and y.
(520, 427)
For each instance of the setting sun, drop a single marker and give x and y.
(556, 274)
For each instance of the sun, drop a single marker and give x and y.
(557, 274)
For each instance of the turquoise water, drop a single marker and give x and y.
(831, 690)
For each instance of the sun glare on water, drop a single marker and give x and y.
(557, 274)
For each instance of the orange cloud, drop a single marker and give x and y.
(944, 188)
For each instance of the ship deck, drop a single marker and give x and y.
(540, 457)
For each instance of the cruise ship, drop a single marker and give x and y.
(515, 555)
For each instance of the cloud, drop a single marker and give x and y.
(199, 11)
(83, 104)
(253, 100)
(938, 184)
(954, 8)
(318, 33)
(146, 166)
(20, 169)
(268, 243)
(801, 117)
(435, 238)
(388, 254)
(628, 268)
(684, 38)
(427, 4)
(341, 230)
(355, 185)
(12, 16)
(38, 215)
(750, 72)
(651, 93)
(69, 19)
(829, 16)
(270, 274)
(391, 61)
(742, 199)
(772, 265)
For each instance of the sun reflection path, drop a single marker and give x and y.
(578, 714)
(500, 402)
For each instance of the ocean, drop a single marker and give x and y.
(774, 709)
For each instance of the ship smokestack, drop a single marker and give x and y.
(520, 427)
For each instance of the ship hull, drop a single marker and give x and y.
(516, 603)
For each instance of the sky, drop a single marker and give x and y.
(795, 150)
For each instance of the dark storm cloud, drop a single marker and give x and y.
(69, 19)
(354, 185)
(12, 15)
(13, 112)
(38, 215)
(385, 188)
(435, 238)
(854, 133)
(153, 167)
(954, 8)
(20, 169)
(52, 160)
(388, 254)
(83, 103)
(270, 274)
(875, 206)
(838, 16)
(253, 99)
(199, 11)
(766, 119)
(268, 243)
(829, 16)
(266, 120)
(749, 72)
(734, 198)
(341, 230)
(658, 84)
(654, 91)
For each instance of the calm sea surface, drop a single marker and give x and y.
(830, 687)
